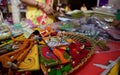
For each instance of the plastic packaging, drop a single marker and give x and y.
(4, 32)
(15, 11)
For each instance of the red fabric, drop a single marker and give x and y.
(39, 19)
(46, 53)
(43, 22)
(102, 57)
(47, 1)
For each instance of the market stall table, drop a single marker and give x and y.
(99, 57)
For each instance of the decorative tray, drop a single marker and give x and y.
(66, 58)
(88, 47)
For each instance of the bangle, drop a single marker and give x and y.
(42, 5)
(36, 3)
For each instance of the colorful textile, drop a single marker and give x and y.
(36, 16)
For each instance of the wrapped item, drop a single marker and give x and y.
(75, 14)
(16, 29)
(72, 25)
(56, 41)
(4, 32)
(114, 33)
(88, 30)
(110, 30)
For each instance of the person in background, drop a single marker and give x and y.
(67, 8)
(83, 8)
(39, 12)
(61, 9)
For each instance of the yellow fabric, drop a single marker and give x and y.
(31, 62)
(115, 69)
(34, 14)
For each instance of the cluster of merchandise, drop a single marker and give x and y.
(58, 51)
(93, 24)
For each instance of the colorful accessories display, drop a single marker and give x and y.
(50, 50)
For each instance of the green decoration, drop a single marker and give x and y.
(59, 72)
(67, 68)
(67, 49)
(52, 72)
(10, 49)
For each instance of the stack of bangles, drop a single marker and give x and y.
(42, 5)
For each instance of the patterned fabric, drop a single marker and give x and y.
(36, 17)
